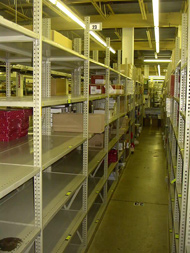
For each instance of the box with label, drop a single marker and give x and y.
(73, 122)
(59, 87)
(94, 79)
(97, 141)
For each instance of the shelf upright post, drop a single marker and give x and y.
(185, 224)
(95, 55)
(85, 125)
(119, 64)
(37, 120)
(77, 45)
(106, 138)
(182, 93)
(125, 110)
(46, 81)
(8, 79)
(76, 77)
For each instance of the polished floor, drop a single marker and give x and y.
(127, 227)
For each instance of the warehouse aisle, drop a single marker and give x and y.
(143, 228)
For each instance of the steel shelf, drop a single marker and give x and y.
(97, 158)
(56, 186)
(97, 65)
(51, 101)
(176, 99)
(26, 233)
(111, 189)
(116, 117)
(183, 114)
(59, 228)
(94, 216)
(12, 32)
(54, 147)
(95, 190)
(14, 176)
(97, 97)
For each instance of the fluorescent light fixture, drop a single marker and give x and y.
(53, 1)
(156, 56)
(157, 60)
(159, 70)
(155, 4)
(160, 81)
(69, 13)
(64, 9)
(157, 77)
(112, 50)
(157, 38)
(98, 38)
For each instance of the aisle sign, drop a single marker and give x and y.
(96, 26)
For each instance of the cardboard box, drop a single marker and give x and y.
(73, 122)
(97, 141)
(59, 87)
(125, 122)
(61, 39)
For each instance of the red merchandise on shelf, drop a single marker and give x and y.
(112, 156)
(94, 77)
(14, 124)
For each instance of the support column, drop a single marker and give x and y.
(128, 45)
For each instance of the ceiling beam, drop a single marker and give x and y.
(122, 21)
(110, 9)
(20, 15)
(99, 9)
(149, 38)
(143, 10)
(88, 1)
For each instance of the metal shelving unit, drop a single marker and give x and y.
(54, 188)
(178, 147)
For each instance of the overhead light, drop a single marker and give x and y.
(79, 21)
(53, 1)
(70, 14)
(160, 81)
(157, 39)
(98, 38)
(155, 4)
(159, 70)
(157, 60)
(156, 56)
(157, 77)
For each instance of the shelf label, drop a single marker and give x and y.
(68, 238)
(96, 26)
(176, 236)
(173, 181)
(68, 193)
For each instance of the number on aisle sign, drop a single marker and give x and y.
(96, 26)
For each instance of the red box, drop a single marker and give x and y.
(112, 156)
(14, 124)
(94, 77)
(172, 82)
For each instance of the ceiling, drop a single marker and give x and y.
(114, 16)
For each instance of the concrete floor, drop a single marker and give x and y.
(141, 229)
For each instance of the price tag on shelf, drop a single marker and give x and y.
(96, 26)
